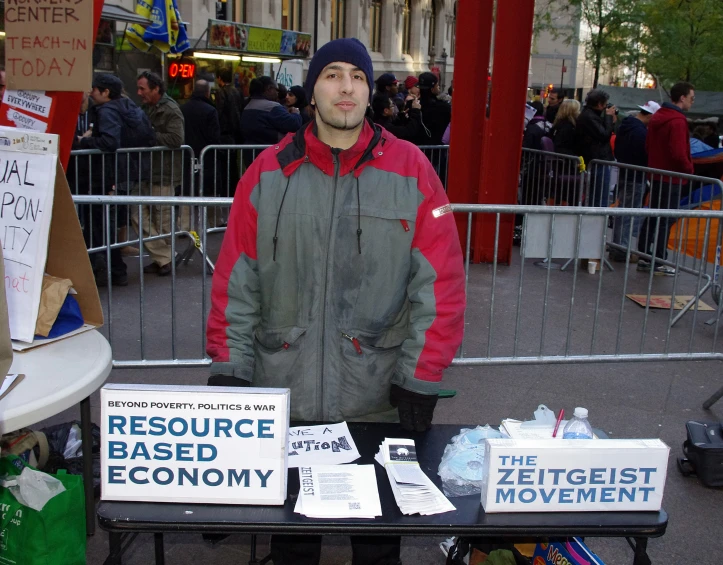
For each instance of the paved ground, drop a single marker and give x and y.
(626, 400)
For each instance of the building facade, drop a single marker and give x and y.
(403, 36)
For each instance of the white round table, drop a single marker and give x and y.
(57, 376)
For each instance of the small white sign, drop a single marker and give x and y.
(34, 101)
(23, 121)
(217, 445)
(532, 475)
(326, 444)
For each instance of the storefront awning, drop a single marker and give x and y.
(114, 13)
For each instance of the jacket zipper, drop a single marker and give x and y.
(405, 225)
(354, 341)
(329, 259)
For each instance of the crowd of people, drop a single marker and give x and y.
(414, 110)
(657, 136)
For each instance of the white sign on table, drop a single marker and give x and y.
(27, 185)
(574, 475)
(326, 444)
(212, 445)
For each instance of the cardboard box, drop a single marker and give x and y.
(574, 475)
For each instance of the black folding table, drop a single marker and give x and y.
(121, 519)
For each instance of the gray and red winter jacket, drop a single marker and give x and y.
(340, 273)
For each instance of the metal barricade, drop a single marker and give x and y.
(530, 316)
(438, 155)
(152, 171)
(550, 178)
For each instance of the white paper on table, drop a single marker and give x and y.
(329, 444)
(9, 380)
(334, 491)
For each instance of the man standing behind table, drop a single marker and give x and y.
(630, 150)
(167, 121)
(340, 276)
(668, 144)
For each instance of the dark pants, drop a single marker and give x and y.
(306, 550)
(664, 195)
(94, 234)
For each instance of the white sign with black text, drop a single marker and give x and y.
(216, 445)
(27, 187)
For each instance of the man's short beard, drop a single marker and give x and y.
(344, 127)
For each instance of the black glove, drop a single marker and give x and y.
(415, 410)
(226, 380)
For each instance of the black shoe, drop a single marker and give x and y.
(101, 280)
(165, 270)
(151, 269)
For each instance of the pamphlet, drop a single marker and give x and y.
(338, 491)
(414, 491)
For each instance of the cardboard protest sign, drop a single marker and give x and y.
(27, 184)
(210, 445)
(49, 45)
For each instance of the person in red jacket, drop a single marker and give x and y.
(668, 146)
(340, 275)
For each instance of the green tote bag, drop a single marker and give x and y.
(53, 536)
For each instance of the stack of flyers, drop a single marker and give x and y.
(414, 492)
(338, 491)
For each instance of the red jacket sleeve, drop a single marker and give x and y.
(235, 297)
(681, 160)
(435, 290)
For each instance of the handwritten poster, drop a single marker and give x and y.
(49, 44)
(27, 182)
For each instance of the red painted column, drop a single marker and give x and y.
(500, 163)
(471, 64)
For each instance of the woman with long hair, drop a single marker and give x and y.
(563, 130)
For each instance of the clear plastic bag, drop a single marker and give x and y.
(462, 466)
(33, 488)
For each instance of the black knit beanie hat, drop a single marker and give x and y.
(346, 50)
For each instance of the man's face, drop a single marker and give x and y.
(99, 96)
(341, 96)
(686, 102)
(553, 99)
(414, 91)
(272, 92)
(393, 89)
(436, 89)
(146, 94)
(2, 83)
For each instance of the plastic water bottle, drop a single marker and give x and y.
(578, 427)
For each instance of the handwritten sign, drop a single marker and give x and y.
(27, 181)
(49, 44)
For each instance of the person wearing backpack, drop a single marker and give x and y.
(118, 123)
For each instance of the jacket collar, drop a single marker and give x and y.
(305, 146)
(671, 106)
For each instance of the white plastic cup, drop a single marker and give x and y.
(591, 267)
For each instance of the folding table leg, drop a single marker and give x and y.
(160, 555)
(114, 549)
(641, 552)
(86, 437)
